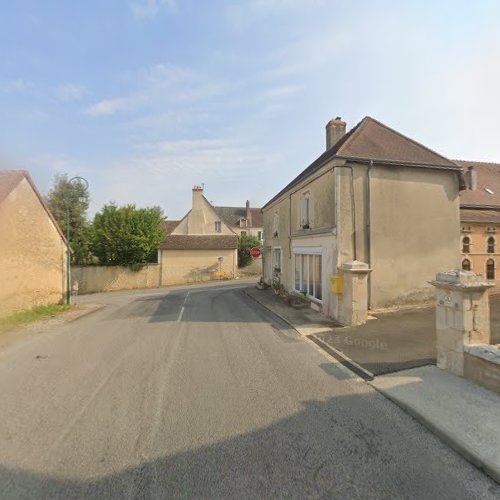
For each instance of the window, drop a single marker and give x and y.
(276, 221)
(466, 244)
(490, 269)
(218, 227)
(259, 235)
(305, 211)
(307, 271)
(277, 259)
(243, 233)
(491, 244)
(466, 265)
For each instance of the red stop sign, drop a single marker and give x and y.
(255, 252)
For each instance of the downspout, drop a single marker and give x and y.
(290, 227)
(368, 231)
(353, 214)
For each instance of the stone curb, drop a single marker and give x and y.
(461, 448)
(339, 356)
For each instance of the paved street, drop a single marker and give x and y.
(199, 392)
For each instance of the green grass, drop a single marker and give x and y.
(30, 315)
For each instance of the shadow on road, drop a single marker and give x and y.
(345, 447)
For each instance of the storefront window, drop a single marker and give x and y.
(307, 279)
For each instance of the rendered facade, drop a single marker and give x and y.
(376, 197)
(32, 247)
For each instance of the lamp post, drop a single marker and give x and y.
(75, 180)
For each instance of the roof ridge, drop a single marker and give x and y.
(478, 162)
(368, 118)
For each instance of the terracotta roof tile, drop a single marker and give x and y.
(372, 140)
(488, 177)
(201, 242)
(484, 216)
(169, 225)
(232, 215)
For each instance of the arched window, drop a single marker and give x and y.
(466, 265)
(490, 269)
(465, 244)
(491, 244)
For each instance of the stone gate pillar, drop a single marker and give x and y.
(462, 316)
(354, 310)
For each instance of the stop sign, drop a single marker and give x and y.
(255, 252)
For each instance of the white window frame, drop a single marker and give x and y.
(274, 268)
(307, 251)
(276, 222)
(306, 202)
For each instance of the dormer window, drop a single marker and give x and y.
(243, 223)
(218, 226)
(306, 211)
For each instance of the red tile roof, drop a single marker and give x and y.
(480, 216)
(488, 177)
(170, 225)
(372, 140)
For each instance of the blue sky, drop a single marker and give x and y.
(146, 98)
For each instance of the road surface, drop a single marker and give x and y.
(201, 393)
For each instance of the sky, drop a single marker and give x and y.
(146, 98)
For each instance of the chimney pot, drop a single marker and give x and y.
(335, 129)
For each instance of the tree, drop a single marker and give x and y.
(127, 236)
(245, 244)
(75, 196)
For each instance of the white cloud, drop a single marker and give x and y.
(150, 8)
(113, 106)
(18, 85)
(68, 92)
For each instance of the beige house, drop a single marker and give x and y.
(243, 220)
(32, 247)
(373, 196)
(199, 247)
(480, 218)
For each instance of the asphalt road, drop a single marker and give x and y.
(200, 393)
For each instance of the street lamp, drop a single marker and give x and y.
(71, 182)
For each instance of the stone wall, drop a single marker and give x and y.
(92, 279)
(191, 266)
(482, 365)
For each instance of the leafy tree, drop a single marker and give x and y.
(245, 244)
(75, 196)
(127, 236)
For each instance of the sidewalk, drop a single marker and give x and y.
(461, 413)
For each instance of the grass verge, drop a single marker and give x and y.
(30, 315)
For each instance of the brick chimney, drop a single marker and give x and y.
(249, 214)
(335, 129)
(471, 176)
(197, 198)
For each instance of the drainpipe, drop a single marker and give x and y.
(368, 231)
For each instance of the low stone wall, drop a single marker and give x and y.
(482, 365)
(92, 279)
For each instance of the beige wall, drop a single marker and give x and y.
(186, 266)
(414, 232)
(32, 253)
(93, 279)
(201, 218)
(478, 255)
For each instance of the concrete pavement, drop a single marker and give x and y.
(201, 393)
(461, 413)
